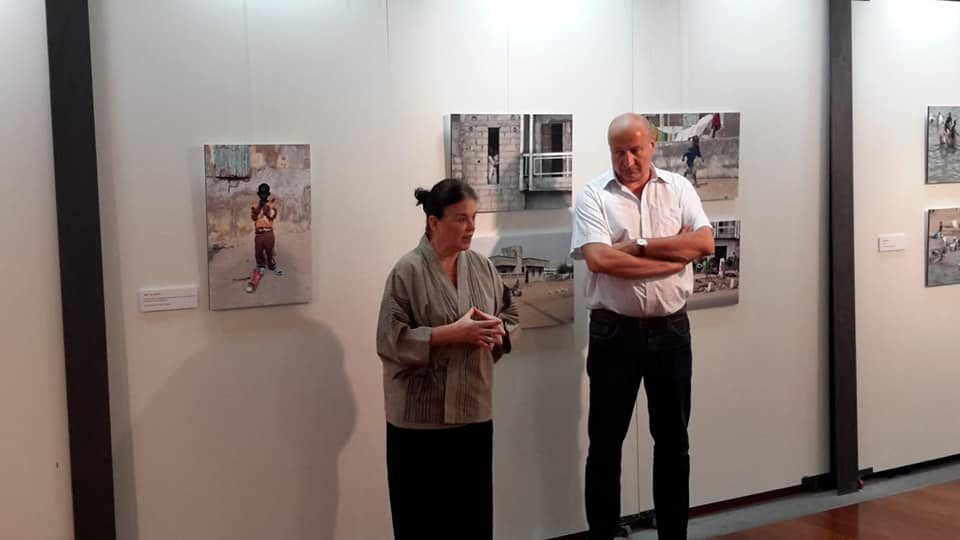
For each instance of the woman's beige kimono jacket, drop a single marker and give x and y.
(436, 387)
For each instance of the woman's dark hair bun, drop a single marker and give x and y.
(422, 195)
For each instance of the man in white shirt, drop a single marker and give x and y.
(638, 228)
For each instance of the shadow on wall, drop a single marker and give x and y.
(243, 440)
(538, 461)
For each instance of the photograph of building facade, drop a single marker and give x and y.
(538, 272)
(514, 161)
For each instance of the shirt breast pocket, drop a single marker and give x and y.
(666, 221)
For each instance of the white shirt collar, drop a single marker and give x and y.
(655, 176)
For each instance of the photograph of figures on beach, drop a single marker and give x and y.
(703, 147)
(943, 247)
(537, 270)
(716, 279)
(258, 224)
(514, 161)
(943, 159)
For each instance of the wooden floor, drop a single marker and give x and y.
(929, 513)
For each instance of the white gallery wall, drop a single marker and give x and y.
(269, 422)
(760, 385)
(907, 368)
(35, 499)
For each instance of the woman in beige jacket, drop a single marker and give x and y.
(445, 318)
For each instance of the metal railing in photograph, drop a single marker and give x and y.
(546, 165)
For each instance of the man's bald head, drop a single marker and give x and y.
(632, 145)
(628, 124)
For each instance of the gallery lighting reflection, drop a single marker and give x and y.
(533, 13)
(930, 18)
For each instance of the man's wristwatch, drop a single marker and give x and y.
(641, 245)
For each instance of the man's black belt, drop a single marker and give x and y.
(606, 315)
